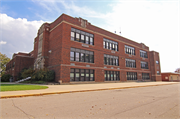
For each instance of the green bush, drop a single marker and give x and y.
(43, 75)
(19, 77)
(27, 73)
(5, 77)
(50, 76)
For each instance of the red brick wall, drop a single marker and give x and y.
(154, 56)
(20, 63)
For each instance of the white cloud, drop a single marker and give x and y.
(2, 42)
(154, 23)
(18, 34)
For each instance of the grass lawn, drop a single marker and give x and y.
(16, 87)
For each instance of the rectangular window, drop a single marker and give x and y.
(77, 37)
(145, 76)
(81, 55)
(111, 75)
(87, 40)
(77, 75)
(158, 73)
(143, 54)
(104, 44)
(131, 76)
(109, 44)
(72, 75)
(91, 41)
(113, 47)
(157, 62)
(87, 57)
(87, 75)
(82, 39)
(72, 56)
(144, 65)
(130, 63)
(72, 36)
(105, 75)
(91, 75)
(82, 78)
(111, 60)
(91, 58)
(129, 50)
(82, 36)
(77, 56)
(81, 75)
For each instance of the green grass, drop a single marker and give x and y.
(17, 87)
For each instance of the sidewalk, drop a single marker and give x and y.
(60, 89)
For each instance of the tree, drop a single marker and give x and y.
(177, 70)
(3, 61)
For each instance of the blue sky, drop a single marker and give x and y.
(154, 23)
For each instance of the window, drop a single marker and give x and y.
(72, 35)
(91, 75)
(111, 76)
(105, 75)
(109, 44)
(87, 74)
(87, 58)
(143, 54)
(144, 65)
(91, 59)
(87, 40)
(77, 74)
(77, 37)
(111, 60)
(158, 73)
(72, 75)
(81, 55)
(131, 76)
(129, 50)
(145, 76)
(77, 56)
(130, 63)
(104, 44)
(91, 41)
(81, 36)
(157, 62)
(72, 56)
(81, 75)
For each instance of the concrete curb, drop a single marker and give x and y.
(50, 93)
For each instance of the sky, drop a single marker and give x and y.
(156, 23)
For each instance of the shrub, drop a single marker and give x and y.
(20, 74)
(27, 73)
(5, 77)
(43, 75)
(50, 76)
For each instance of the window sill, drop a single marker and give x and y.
(81, 62)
